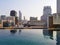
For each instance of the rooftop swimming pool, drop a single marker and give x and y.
(29, 37)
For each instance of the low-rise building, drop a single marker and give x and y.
(37, 23)
(8, 21)
(54, 21)
(33, 18)
(3, 17)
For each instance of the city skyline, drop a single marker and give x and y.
(29, 8)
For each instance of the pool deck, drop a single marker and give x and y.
(32, 27)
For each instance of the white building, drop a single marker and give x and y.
(20, 16)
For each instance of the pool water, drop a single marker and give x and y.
(29, 37)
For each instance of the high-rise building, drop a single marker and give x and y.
(46, 10)
(58, 6)
(13, 13)
(46, 13)
(20, 16)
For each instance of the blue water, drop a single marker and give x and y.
(29, 37)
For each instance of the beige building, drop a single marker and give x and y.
(54, 21)
(56, 18)
(37, 23)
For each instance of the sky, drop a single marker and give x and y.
(28, 8)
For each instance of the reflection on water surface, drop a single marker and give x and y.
(29, 37)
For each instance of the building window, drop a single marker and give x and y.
(55, 16)
(0, 21)
(58, 16)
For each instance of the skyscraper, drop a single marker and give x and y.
(58, 6)
(20, 16)
(13, 13)
(46, 13)
(46, 10)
